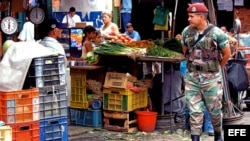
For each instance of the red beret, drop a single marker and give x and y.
(197, 8)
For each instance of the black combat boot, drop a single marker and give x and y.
(195, 137)
(217, 136)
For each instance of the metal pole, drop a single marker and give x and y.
(162, 82)
(162, 32)
(174, 19)
(171, 92)
(226, 91)
(212, 17)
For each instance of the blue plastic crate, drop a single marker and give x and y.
(71, 115)
(92, 118)
(54, 129)
(53, 101)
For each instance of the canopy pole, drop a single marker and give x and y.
(174, 19)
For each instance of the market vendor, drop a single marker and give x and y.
(132, 33)
(53, 32)
(109, 29)
(71, 18)
(28, 31)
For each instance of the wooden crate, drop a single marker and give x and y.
(120, 121)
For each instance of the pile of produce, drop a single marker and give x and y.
(141, 44)
(171, 43)
(116, 48)
(159, 51)
(136, 49)
(122, 38)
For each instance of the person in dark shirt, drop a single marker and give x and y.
(177, 92)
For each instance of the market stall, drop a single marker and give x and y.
(125, 58)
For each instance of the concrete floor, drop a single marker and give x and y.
(81, 133)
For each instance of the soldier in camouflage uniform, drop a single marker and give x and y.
(205, 59)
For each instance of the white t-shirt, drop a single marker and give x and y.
(107, 30)
(53, 44)
(28, 32)
(71, 20)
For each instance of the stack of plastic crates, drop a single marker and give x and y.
(80, 111)
(117, 96)
(48, 74)
(121, 102)
(20, 111)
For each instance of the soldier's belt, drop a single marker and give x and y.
(211, 66)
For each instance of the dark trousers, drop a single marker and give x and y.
(125, 19)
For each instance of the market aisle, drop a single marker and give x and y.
(77, 133)
(80, 133)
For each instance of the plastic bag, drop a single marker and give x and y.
(237, 74)
(160, 15)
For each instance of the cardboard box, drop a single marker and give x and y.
(118, 80)
(81, 25)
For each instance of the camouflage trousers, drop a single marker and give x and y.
(204, 89)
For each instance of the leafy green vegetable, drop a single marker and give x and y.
(115, 48)
(173, 44)
(170, 43)
(160, 51)
(91, 57)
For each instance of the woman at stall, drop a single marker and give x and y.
(109, 30)
(90, 35)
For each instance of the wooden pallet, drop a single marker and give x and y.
(120, 121)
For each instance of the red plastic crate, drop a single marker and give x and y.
(19, 106)
(27, 131)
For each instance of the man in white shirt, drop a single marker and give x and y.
(54, 32)
(28, 31)
(71, 18)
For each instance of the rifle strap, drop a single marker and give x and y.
(202, 35)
